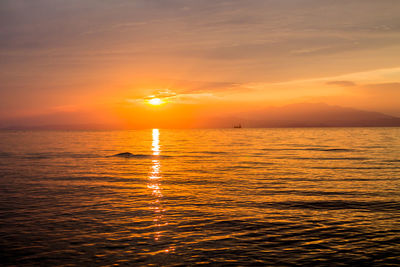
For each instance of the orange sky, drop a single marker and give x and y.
(100, 61)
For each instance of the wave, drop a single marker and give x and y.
(392, 160)
(344, 158)
(320, 158)
(335, 150)
(207, 152)
(54, 155)
(48, 155)
(375, 206)
(5, 154)
(129, 155)
(311, 149)
(353, 168)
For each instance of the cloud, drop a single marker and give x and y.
(206, 86)
(341, 83)
(194, 98)
(166, 94)
(169, 96)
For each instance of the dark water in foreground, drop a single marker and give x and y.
(186, 197)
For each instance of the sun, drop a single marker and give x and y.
(155, 101)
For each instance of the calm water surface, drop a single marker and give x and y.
(186, 197)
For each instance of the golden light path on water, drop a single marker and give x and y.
(285, 197)
(155, 186)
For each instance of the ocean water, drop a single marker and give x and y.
(314, 196)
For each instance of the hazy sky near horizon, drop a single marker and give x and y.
(106, 57)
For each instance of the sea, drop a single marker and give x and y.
(219, 197)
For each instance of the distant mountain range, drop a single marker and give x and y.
(309, 115)
(294, 115)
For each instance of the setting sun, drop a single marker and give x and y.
(214, 132)
(155, 101)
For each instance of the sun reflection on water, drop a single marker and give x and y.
(156, 142)
(155, 186)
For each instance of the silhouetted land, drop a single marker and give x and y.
(294, 115)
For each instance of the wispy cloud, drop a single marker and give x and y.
(390, 74)
(180, 98)
(341, 83)
(195, 98)
(164, 94)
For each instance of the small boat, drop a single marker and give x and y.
(237, 126)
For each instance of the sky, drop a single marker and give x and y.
(98, 61)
